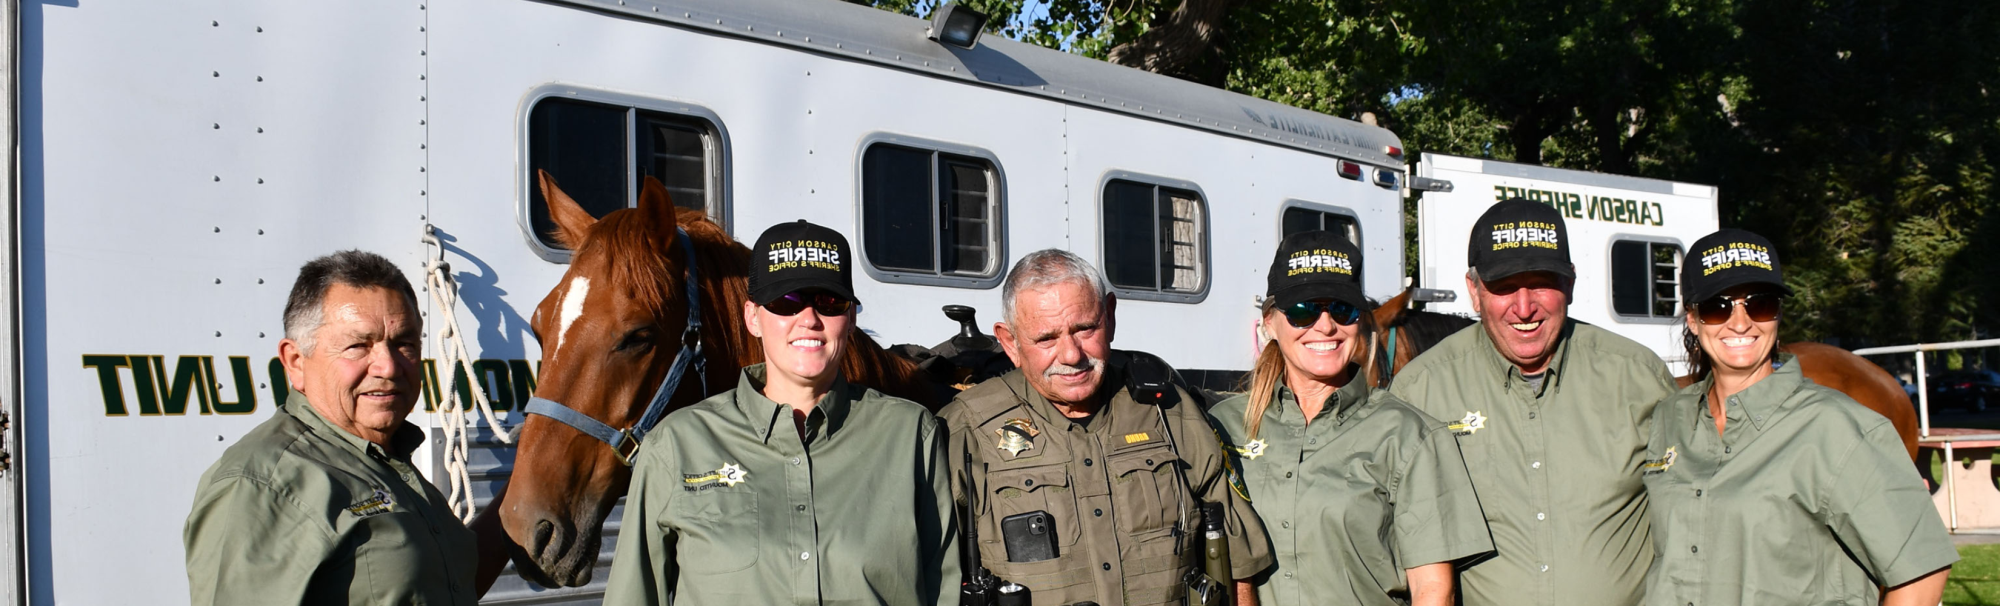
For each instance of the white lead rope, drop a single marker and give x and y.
(453, 355)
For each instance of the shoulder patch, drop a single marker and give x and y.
(1231, 474)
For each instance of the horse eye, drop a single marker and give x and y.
(639, 338)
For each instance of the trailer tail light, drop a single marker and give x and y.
(1385, 178)
(1393, 151)
(1350, 170)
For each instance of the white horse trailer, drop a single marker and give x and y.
(1627, 236)
(173, 163)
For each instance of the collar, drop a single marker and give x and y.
(765, 415)
(1344, 401)
(1510, 374)
(1110, 392)
(406, 440)
(1764, 400)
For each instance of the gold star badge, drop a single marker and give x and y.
(731, 474)
(1252, 450)
(1471, 424)
(1017, 435)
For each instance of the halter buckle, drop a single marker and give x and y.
(627, 447)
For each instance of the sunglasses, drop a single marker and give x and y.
(1304, 314)
(824, 304)
(1761, 307)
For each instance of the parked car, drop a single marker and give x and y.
(1967, 389)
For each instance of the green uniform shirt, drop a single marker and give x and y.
(301, 512)
(1371, 488)
(1556, 467)
(729, 505)
(1805, 498)
(1111, 489)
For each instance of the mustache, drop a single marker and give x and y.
(1086, 365)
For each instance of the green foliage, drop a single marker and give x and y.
(1858, 135)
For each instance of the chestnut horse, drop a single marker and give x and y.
(609, 331)
(1415, 331)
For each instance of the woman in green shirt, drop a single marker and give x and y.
(1366, 500)
(796, 487)
(1766, 488)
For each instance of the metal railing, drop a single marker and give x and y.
(1924, 419)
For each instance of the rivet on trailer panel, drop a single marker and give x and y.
(215, 24)
(260, 78)
(218, 230)
(260, 29)
(260, 180)
(218, 333)
(218, 126)
(215, 74)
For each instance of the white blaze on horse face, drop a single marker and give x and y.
(572, 308)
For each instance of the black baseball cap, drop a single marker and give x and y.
(1312, 265)
(1518, 235)
(790, 257)
(1726, 259)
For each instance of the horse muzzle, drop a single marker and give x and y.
(558, 555)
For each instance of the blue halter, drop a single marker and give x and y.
(625, 443)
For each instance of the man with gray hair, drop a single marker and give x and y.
(1078, 491)
(321, 503)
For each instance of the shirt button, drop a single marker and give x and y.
(1288, 574)
(1545, 568)
(1727, 449)
(1536, 464)
(1288, 474)
(1694, 549)
(1697, 492)
(1086, 462)
(802, 508)
(1029, 482)
(1531, 415)
(1541, 516)
(795, 460)
(1149, 462)
(804, 555)
(1097, 512)
(1107, 565)
(1313, 441)
(1285, 524)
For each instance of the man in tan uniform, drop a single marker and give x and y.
(1078, 491)
(321, 503)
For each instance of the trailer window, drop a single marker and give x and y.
(601, 154)
(1155, 238)
(1645, 279)
(929, 213)
(1298, 219)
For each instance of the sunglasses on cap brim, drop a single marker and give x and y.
(1304, 314)
(822, 303)
(1761, 307)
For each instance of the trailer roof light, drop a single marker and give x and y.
(1393, 151)
(1350, 170)
(956, 25)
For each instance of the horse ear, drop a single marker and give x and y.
(1390, 312)
(657, 204)
(572, 221)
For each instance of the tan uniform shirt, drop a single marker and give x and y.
(1111, 489)
(1805, 498)
(1556, 468)
(302, 512)
(729, 505)
(1369, 489)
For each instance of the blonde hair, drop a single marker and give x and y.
(1269, 372)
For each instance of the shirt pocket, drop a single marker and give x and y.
(1146, 489)
(719, 531)
(389, 556)
(1029, 489)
